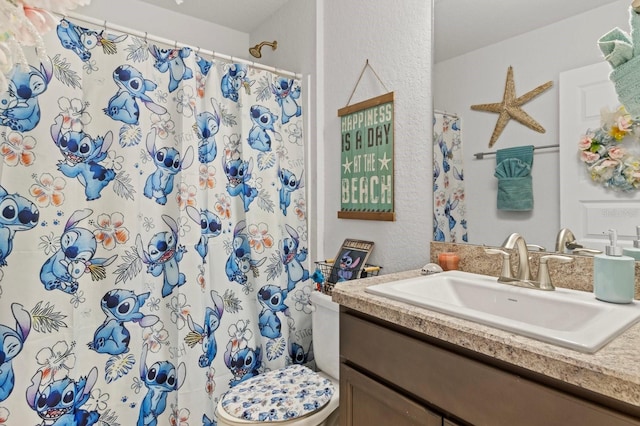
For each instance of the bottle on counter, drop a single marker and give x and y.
(613, 273)
(635, 250)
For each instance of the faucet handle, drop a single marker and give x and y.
(543, 273)
(535, 247)
(573, 245)
(588, 251)
(506, 261)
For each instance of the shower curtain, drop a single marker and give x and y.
(449, 210)
(153, 231)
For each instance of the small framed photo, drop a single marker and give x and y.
(350, 260)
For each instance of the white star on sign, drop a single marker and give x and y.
(347, 165)
(384, 162)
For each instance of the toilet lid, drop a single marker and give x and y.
(278, 395)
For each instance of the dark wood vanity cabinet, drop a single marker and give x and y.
(393, 376)
(368, 402)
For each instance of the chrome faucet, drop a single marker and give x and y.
(566, 240)
(517, 241)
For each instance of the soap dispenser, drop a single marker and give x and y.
(635, 250)
(613, 273)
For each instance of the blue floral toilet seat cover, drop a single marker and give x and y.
(278, 395)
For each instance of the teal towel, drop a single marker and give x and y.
(523, 153)
(513, 170)
(622, 51)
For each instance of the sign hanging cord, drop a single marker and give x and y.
(366, 65)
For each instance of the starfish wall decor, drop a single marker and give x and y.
(510, 107)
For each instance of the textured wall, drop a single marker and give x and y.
(397, 42)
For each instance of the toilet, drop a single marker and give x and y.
(275, 397)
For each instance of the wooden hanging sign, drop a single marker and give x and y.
(366, 161)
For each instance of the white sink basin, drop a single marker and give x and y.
(569, 318)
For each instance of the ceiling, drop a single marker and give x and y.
(461, 26)
(241, 15)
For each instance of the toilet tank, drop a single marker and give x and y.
(326, 333)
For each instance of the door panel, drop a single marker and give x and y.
(587, 208)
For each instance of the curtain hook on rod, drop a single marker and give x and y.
(104, 26)
(145, 38)
(175, 44)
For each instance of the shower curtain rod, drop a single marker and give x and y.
(480, 155)
(447, 114)
(147, 36)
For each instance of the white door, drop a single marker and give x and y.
(586, 208)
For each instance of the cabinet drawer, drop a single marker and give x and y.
(468, 389)
(365, 402)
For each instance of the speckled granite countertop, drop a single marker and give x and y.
(613, 371)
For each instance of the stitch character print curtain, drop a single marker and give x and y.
(153, 232)
(449, 208)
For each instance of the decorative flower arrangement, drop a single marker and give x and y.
(606, 154)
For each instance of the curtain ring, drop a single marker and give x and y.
(198, 51)
(145, 37)
(104, 26)
(175, 44)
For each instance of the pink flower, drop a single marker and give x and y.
(589, 157)
(17, 149)
(223, 206)
(179, 416)
(259, 237)
(210, 386)
(155, 336)
(624, 123)
(163, 124)
(48, 190)
(201, 80)
(585, 142)
(56, 361)
(109, 230)
(207, 177)
(616, 153)
(301, 208)
(74, 114)
(202, 281)
(606, 164)
(186, 195)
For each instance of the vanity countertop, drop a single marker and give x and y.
(613, 371)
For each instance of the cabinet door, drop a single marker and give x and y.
(365, 402)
